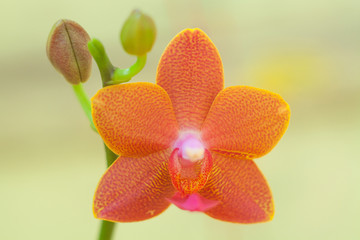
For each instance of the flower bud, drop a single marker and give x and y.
(138, 34)
(67, 51)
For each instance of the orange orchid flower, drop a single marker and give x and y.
(185, 140)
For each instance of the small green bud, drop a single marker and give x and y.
(138, 33)
(67, 51)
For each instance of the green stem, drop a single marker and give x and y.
(106, 230)
(97, 50)
(125, 75)
(106, 69)
(110, 156)
(84, 102)
(111, 76)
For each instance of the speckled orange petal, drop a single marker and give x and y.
(134, 189)
(241, 190)
(245, 122)
(191, 72)
(134, 119)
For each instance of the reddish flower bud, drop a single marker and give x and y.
(67, 50)
(138, 33)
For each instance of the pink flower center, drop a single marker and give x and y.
(191, 148)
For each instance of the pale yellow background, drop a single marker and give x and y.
(308, 51)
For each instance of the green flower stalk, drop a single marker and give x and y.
(137, 37)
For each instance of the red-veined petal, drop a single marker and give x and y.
(191, 72)
(134, 189)
(242, 191)
(245, 122)
(135, 119)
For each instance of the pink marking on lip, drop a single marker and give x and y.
(192, 202)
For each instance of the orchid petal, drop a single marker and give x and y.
(134, 119)
(243, 193)
(191, 72)
(245, 122)
(134, 189)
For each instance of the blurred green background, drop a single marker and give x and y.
(308, 51)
